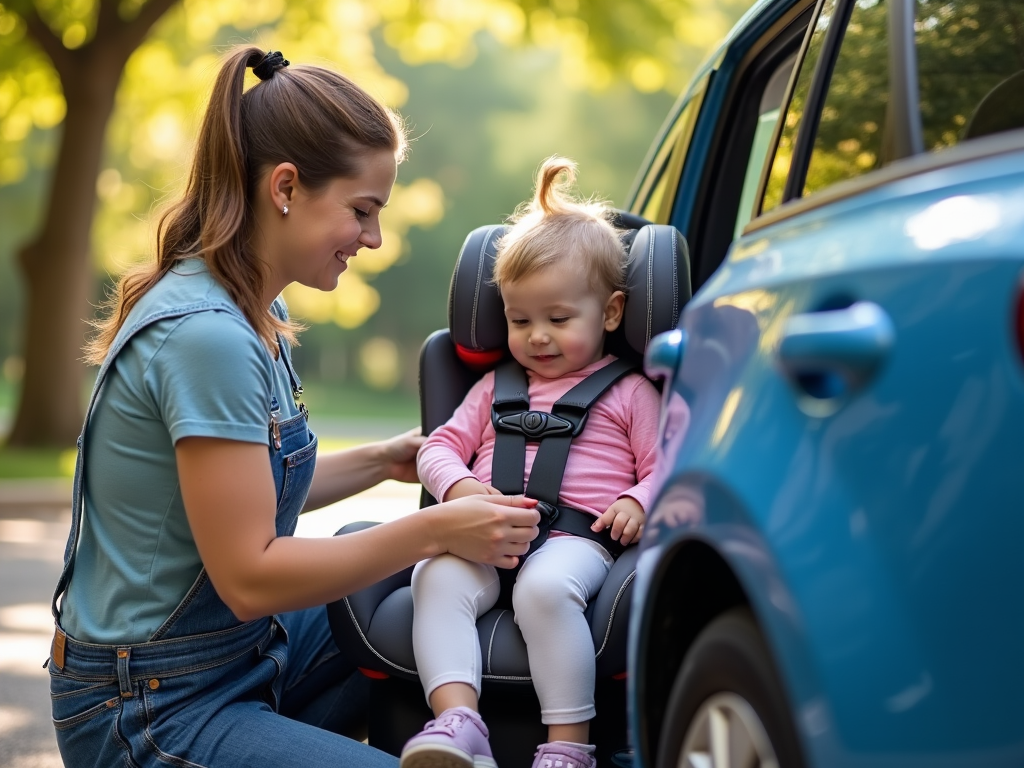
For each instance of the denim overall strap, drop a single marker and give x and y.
(278, 309)
(77, 498)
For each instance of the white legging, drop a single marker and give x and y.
(550, 595)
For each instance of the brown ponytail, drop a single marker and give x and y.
(310, 116)
(556, 228)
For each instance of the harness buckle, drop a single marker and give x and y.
(548, 513)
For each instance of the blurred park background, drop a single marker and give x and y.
(99, 100)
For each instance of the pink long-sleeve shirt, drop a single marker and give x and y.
(612, 457)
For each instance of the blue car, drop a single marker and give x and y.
(832, 574)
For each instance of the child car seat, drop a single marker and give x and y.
(374, 625)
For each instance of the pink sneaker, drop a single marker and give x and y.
(563, 754)
(456, 739)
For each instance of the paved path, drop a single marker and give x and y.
(33, 528)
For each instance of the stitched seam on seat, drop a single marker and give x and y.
(517, 678)
(490, 641)
(675, 279)
(611, 616)
(476, 288)
(366, 642)
(452, 303)
(650, 289)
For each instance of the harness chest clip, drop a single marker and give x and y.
(535, 425)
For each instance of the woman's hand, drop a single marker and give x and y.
(626, 519)
(399, 455)
(496, 530)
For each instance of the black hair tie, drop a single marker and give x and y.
(269, 64)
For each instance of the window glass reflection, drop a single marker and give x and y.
(850, 139)
(784, 152)
(970, 63)
(767, 118)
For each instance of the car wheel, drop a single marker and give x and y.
(727, 708)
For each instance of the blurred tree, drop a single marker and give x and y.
(56, 262)
(66, 62)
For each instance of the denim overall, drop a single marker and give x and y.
(207, 689)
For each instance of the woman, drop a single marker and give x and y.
(190, 625)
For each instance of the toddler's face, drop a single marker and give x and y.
(556, 323)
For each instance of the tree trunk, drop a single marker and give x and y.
(57, 266)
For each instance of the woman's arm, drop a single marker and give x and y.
(229, 498)
(341, 474)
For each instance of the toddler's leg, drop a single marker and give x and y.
(550, 595)
(449, 594)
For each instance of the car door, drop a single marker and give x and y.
(853, 372)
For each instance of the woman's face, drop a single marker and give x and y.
(323, 230)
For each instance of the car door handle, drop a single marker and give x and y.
(850, 343)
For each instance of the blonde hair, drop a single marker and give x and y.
(557, 228)
(313, 117)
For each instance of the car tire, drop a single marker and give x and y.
(727, 708)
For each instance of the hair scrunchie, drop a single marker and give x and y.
(269, 64)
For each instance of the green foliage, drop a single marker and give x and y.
(482, 131)
(851, 132)
(968, 53)
(30, 463)
(965, 50)
(490, 87)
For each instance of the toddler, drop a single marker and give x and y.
(561, 272)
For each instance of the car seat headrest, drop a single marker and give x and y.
(658, 286)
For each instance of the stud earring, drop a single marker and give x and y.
(284, 210)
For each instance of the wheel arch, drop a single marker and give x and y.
(694, 584)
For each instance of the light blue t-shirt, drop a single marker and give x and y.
(202, 374)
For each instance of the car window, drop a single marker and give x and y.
(668, 163)
(776, 184)
(970, 65)
(850, 137)
(656, 191)
(767, 119)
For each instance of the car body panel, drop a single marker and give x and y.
(875, 533)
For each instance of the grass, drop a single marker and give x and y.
(340, 401)
(31, 463)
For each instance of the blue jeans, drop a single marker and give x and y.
(267, 693)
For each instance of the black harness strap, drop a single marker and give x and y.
(574, 406)
(511, 396)
(514, 424)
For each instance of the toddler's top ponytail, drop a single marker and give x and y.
(555, 227)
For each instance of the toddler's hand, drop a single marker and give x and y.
(470, 486)
(626, 519)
